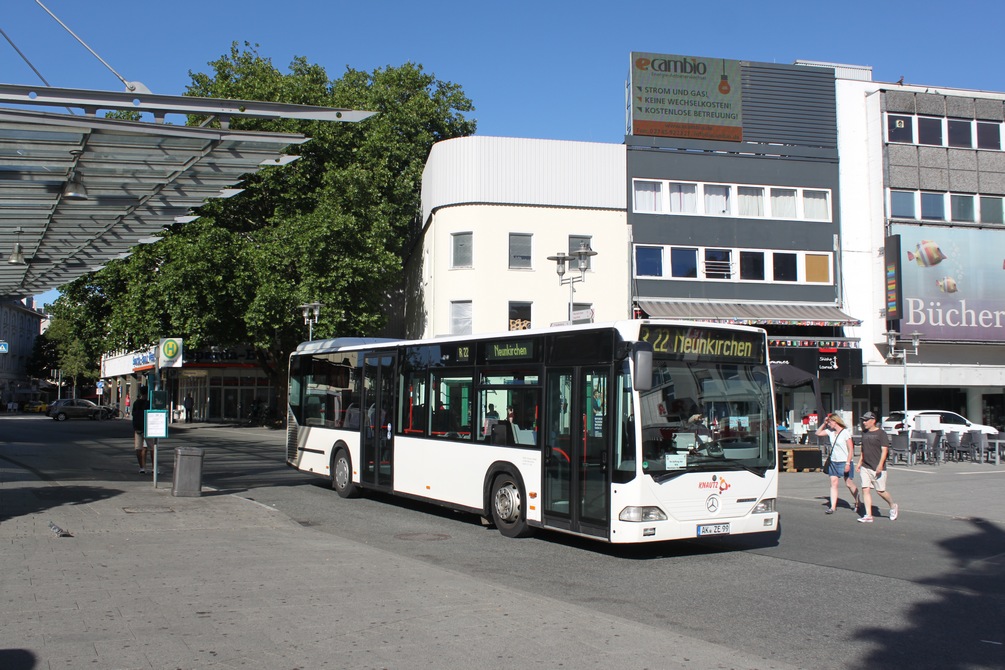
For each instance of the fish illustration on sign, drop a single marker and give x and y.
(927, 253)
(947, 285)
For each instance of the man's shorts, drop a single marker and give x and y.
(871, 481)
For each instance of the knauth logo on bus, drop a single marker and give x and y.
(716, 483)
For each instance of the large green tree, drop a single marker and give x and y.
(330, 227)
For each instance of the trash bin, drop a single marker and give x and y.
(187, 481)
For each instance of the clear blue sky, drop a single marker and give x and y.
(550, 69)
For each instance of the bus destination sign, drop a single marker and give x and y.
(514, 350)
(704, 343)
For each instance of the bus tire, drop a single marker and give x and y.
(506, 503)
(342, 475)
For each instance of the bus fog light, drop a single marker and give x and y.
(766, 506)
(642, 514)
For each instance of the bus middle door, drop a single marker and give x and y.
(576, 459)
(377, 425)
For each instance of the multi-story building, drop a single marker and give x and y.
(20, 324)
(923, 183)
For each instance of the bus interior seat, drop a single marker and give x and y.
(502, 433)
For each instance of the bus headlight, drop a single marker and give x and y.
(764, 507)
(642, 514)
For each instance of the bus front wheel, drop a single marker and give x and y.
(342, 475)
(508, 513)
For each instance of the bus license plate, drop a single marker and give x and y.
(714, 529)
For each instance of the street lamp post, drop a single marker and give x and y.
(902, 353)
(311, 312)
(581, 257)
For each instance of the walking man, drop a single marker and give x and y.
(872, 466)
(140, 443)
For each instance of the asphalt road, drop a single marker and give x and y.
(925, 591)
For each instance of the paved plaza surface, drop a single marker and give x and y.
(101, 569)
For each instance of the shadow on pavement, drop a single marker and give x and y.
(963, 628)
(17, 659)
(15, 502)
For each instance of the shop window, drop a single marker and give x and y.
(933, 206)
(902, 205)
(752, 265)
(989, 136)
(900, 129)
(960, 133)
(684, 263)
(930, 131)
(785, 267)
(649, 261)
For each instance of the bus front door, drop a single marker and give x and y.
(377, 425)
(575, 459)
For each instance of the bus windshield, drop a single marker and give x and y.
(700, 416)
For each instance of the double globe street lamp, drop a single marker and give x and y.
(581, 257)
(311, 312)
(893, 352)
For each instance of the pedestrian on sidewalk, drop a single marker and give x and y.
(872, 466)
(189, 405)
(127, 403)
(839, 463)
(141, 444)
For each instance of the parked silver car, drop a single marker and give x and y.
(77, 408)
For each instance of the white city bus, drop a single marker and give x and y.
(633, 431)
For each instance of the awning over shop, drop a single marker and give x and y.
(749, 313)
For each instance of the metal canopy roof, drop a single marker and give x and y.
(139, 176)
(749, 313)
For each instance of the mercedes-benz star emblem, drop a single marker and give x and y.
(712, 504)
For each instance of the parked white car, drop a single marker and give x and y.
(949, 422)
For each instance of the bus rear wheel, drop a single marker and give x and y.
(508, 513)
(342, 475)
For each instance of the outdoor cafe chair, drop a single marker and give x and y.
(900, 448)
(954, 446)
(978, 445)
(933, 447)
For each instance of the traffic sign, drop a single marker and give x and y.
(4, 347)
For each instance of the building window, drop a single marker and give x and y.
(684, 263)
(460, 317)
(683, 198)
(783, 203)
(902, 205)
(989, 136)
(718, 264)
(815, 205)
(785, 266)
(649, 261)
(460, 250)
(519, 315)
(929, 131)
(577, 242)
(752, 265)
(991, 209)
(519, 250)
(750, 200)
(962, 208)
(960, 133)
(933, 206)
(818, 268)
(900, 129)
(648, 196)
(716, 199)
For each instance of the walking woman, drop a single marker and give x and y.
(839, 463)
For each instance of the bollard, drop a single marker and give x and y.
(187, 481)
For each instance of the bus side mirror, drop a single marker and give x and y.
(642, 358)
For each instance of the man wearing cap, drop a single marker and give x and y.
(872, 466)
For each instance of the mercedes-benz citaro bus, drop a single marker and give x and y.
(632, 431)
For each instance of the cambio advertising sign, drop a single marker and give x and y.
(684, 96)
(952, 280)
